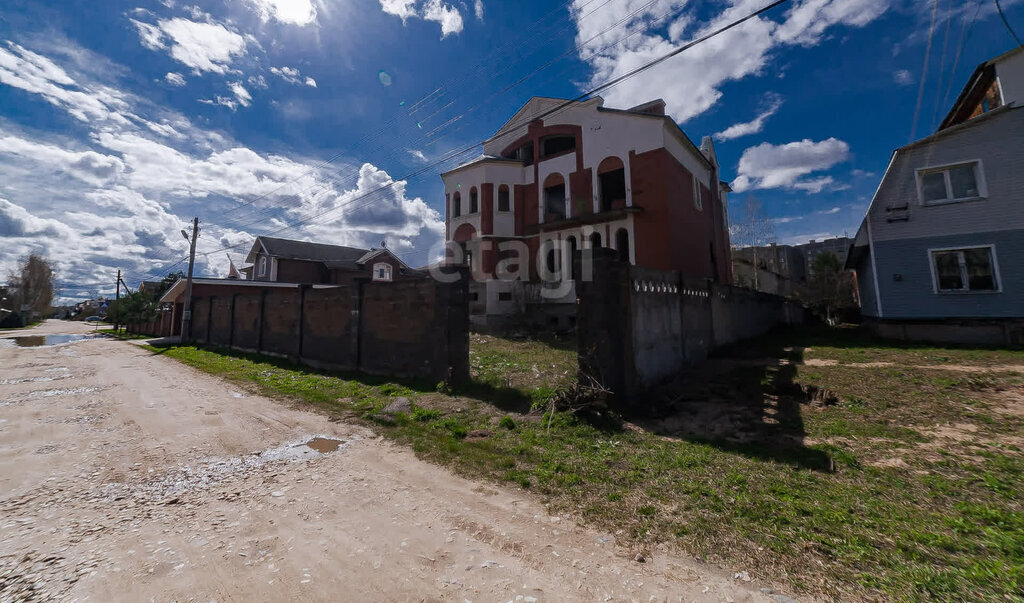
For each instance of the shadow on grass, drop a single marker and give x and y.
(743, 406)
(505, 398)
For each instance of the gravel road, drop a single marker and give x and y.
(125, 475)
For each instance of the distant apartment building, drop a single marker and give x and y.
(838, 246)
(938, 254)
(562, 176)
(776, 269)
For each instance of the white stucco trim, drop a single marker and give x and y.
(874, 266)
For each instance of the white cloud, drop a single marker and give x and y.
(257, 81)
(175, 79)
(88, 166)
(418, 155)
(478, 9)
(399, 8)
(691, 82)
(310, 82)
(754, 126)
(903, 77)
(829, 212)
(206, 46)
(241, 94)
(783, 166)
(293, 12)
(786, 220)
(447, 15)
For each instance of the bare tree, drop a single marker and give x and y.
(753, 229)
(32, 286)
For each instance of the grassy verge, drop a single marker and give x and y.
(122, 335)
(794, 458)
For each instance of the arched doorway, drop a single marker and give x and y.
(622, 244)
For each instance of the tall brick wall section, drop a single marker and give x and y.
(280, 332)
(637, 327)
(413, 328)
(330, 327)
(247, 321)
(406, 329)
(220, 320)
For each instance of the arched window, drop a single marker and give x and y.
(595, 240)
(504, 203)
(474, 202)
(611, 180)
(622, 244)
(554, 198)
(263, 266)
(382, 271)
(456, 204)
(552, 263)
(570, 262)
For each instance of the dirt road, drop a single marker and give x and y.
(127, 476)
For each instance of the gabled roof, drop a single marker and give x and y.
(332, 256)
(304, 250)
(983, 76)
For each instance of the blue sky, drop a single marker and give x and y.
(120, 121)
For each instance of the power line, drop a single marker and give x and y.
(965, 35)
(1007, 24)
(558, 108)
(924, 72)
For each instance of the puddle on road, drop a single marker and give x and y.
(323, 445)
(35, 341)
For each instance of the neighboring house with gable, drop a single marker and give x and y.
(560, 177)
(288, 261)
(939, 254)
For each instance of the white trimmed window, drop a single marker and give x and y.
(965, 270)
(263, 266)
(382, 271)
(950, 183)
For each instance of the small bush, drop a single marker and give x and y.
(507, 422)
(425, 415)
(458, 429)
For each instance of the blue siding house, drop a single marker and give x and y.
(940, 254)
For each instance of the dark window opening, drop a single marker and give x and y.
(504, 296)
(552, 262)
(474, 202)
(503, 200)
(571, 260)
(457, 205)
(553, 145)
(595, 240)
(523, 153)
(554, 203)
(613, 188)
(622, 244)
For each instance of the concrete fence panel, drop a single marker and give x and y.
(201, 319)
(280, 325)
(330, 327)
(221, 322)
(246, 321)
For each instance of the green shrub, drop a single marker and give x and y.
(507, 422)
(425, 415)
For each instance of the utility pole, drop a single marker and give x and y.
(117, 298)
(186, 315)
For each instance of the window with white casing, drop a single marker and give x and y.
(965, 270)
(697, 202)
(382, 271)
(263, 266)
(950, 183)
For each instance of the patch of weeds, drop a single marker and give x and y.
(507, 422)
(457, 428)
(425, 415)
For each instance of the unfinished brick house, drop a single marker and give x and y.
(582, 176)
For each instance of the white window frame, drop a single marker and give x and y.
(263, 266)
(979, 179)
(995, 271)
(377, 267)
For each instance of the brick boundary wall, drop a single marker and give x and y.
(637, 327)
(413, 328)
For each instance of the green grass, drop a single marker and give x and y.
(861, 498)
(122, 335)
